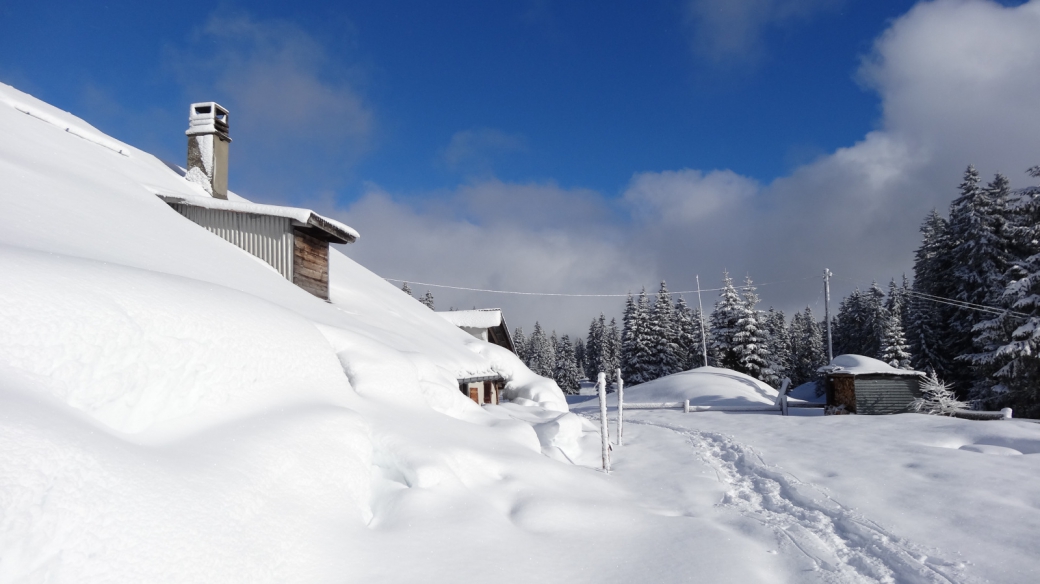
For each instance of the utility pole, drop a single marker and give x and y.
(827, 311)
(700, 314)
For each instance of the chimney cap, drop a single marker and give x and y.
(208, 117)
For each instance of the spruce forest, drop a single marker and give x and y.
(971, 316)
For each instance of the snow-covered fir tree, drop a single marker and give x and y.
(749, 341)
(427, 300)
(594, 348)
(729, 309)
(406, 289)
(520, 344)
(610, 351)
(894, 348)
(688, 336)
(539, 357)
(566, 373)
(665, 352)
(926, 324)
(636, 344)
(554, 350)
(579, 357)
(807, 347)
(1010, 341)
(779, 344)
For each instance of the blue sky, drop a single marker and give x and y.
(572, 146)
(582, 93)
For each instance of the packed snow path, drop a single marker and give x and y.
(828, 541)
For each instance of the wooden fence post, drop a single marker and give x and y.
(620, 408)
(601, 384)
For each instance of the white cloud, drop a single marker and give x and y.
(295, 112)
(957, 80)
(474, 151)
(731, 30)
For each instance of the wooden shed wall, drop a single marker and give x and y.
(268, 238)
(885, 394)
(311, 264)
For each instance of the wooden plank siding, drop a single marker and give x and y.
(885, 394)
(311, 263)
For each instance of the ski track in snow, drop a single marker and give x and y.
(842, 546)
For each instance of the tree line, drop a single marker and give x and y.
(659, 337)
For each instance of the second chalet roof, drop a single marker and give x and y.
(479, 318)
(335, 231)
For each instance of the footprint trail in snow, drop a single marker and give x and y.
(840, 546)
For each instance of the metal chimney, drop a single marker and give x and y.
(208, 148)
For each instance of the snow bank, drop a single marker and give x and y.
(860, 365)
(704, 386)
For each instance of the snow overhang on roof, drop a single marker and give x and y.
(860, 365)
(480, 318)
(335, 231)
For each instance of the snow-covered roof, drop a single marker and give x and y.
(860, 365)
(479, 318)
(338, 232)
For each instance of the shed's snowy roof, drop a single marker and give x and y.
(338, 232)
(479, 318)
(860, 365)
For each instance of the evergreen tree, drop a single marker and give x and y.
(628, 341)
(1008, 345)
(637, 349)
(926, 323)
(979, 260)
(554, 352)
(807, 351)
(610, 358)
(579, 357)
(538, 352)
(728, 311)
(594, 348)
(860, 326)
(566, 373)
(779, 344)
(688, 336)
(665, 352)
(427, 300)
(749, 339)
(520, 344)
(406, 289)
(894, 348)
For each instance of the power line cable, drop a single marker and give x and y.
(576, 295)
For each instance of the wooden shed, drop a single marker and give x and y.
(861, 385)
(486, 324)
(295, 242)
(484, 389)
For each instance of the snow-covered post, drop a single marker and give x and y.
(620, 407)
(1006, 412)
(686, 406)
(783, 395)
(601, 385)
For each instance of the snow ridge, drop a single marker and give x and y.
(841, 546)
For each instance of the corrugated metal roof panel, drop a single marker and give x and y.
(267, 237)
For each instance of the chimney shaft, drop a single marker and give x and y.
(208, 148)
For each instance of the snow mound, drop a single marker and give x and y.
(704, 386)
(860, 365)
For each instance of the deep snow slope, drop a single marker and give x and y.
(173, 410)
